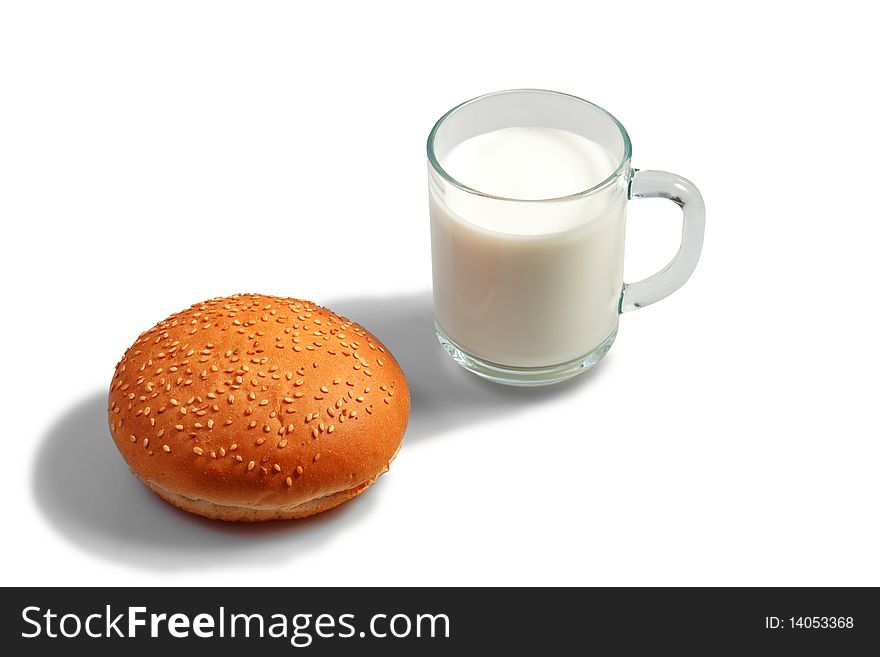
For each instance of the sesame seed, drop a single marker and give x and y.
(330, 429)
(132, 439)
(179, 427)
(299, 470)
(233, 447)
(198, 450)
(315, 432)
(324, 389)
(251, 465)
(282, 444)
(317, 456)
(277, 468)
(289, 481)
(146, 442)
(238, 458)
(263, 402)
(166, 448)
(210, 424)
(222, 451)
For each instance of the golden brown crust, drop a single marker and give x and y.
(246, 514)
(258, 402)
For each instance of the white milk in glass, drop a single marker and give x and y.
(525, 283)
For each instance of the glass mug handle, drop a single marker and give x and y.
(682, 192)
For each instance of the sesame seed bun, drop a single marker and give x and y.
(253, 407)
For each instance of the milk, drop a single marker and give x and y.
(523, 283)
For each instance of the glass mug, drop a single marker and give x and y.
(531, 308)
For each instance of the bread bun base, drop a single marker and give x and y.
(251, 514)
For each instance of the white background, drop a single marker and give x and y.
(156, 154)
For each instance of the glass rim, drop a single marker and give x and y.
(621, 167)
